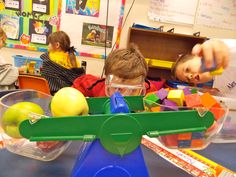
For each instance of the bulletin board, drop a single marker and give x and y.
(219, 14)
(173, 11)
(92, 24)
(29, 22)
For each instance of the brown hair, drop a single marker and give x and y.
(126, 63)
(182, 59)
(2, 33)
(64, 40)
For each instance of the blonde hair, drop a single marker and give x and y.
(126, 63)
(182, 59)
(64, 40)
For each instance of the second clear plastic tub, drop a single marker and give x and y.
(11, 116)
(191, 140)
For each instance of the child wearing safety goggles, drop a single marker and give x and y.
(125, 70)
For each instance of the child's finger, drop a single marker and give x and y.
(221, 54)
(207, 52)
(197, 50)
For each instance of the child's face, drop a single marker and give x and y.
(127, 87)
(190, 71)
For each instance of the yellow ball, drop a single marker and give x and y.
(69, 101)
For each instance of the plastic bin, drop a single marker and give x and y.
(20, 60)
(228, 131)
(192, 140)
(44, 151)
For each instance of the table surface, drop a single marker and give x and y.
(12, 165)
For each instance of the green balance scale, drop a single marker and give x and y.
(114, 128)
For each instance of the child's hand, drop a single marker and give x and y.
(213, 50)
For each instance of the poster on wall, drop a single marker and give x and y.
(28, 27)
(173, 11)
(97, 35)
(39, 31)
(12, 4)
(41, 6)
(96, 32)
(220, 15)
(83, 7)
(11, 25)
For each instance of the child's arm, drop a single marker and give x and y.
(213, 50)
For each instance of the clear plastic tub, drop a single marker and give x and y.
(228, 132)
(192, 140)
(45, 151)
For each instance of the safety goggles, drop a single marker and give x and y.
(127, 87)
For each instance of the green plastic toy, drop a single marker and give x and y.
(118, 133)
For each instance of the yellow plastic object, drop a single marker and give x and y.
(217, 71)
(33, 82)
(177, 96)
(159, 63)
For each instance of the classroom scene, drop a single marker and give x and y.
(121, 88)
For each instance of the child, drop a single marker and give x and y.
(8, 73)
(60, 65)
(125, 70)
(188, 67)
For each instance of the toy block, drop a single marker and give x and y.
(217, 71)
(169, 105)
(155, 109)
(169, 140)
(218, 111)
(193, 100)
(184, 136)
(207, 100)
(153, 97)
(176, 96)
(197, 143)
(212, 127)
(162, 93)
(187, 91)
(197, 135)
(193, 90)
(184, 143)
(167, 89)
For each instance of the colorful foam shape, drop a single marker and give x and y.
(169, 105)
(193, 100)
(197, 143)
(184, 143)
(169, 140)
(153, 97)
(207, 100)
(197, 135)
(193, 90)
(176, 96)
(218, 111)
(184, 136)
(187, 91)
(155, 108)
(162, 93)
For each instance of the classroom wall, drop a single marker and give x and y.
(138, 14)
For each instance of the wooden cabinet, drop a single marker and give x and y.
(167, 46)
